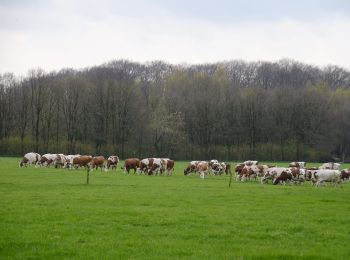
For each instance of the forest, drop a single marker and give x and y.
(232, 110)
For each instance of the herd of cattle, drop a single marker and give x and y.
(148, 166)
(297, 172)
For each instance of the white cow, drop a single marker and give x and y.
(330, 166)
(30, 158)
(325, 175)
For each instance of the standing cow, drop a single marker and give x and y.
(318, 177)
(30, 158)
(131, 164)
(112, 162)
(82, 161)
(96, 162)
(202, 168)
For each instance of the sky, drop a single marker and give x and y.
(56, 34)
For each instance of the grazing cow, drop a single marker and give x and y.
(216, 168)
(345, 174)
(146, 165)
(30, 158)
(330, 166)
(47, 159)
(202, 168)
(192, 167)
(59, 160)
(298, 174)
(97, 161)
(252, 172)
(82, 161)
(283, 176)
(69, 160)
(239, 167)
(131, 163)
(159, 166)
(325, 175)
(297, 164)
(273, 172)
(112, 162)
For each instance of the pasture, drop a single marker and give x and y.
(49, 213)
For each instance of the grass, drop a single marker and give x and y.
(51, 213)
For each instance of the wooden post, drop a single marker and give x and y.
(229, 184)
(87, 175)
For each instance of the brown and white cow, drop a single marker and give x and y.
(82, 161)
(202, 168)
(69, 160)
(59, 160)
(283, 177)
(145, 165)
(298, 174)
(97, 162)
(131, 164)
(345, 174)
(192, 167)
(274, 172)
(47, 159)
(112, 162)
(170, 166)
(160, 165)
(30, 158)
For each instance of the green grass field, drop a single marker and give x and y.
(51, 213)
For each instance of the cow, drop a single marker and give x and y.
(131, 163)
(47, 159)
(216, 168)
(283, 176)
(330, 166)
(252, 172)
(318, 177)
(112, 162)
(297, 164)
(298, 174)
(160, 165)
(273, 172)
(239, 167)
(69, 160)
(202, 168)
(146, 165)
(170, 166)
(97, 161)
(192, 167)
(30, 158)
(82, 161)
(59, 160)
(345, 174)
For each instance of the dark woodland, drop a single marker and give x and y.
(234, 110)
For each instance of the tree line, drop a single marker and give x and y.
(235, 110)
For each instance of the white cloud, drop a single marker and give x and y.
(60, 36)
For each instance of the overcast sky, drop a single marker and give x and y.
(57, 34)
